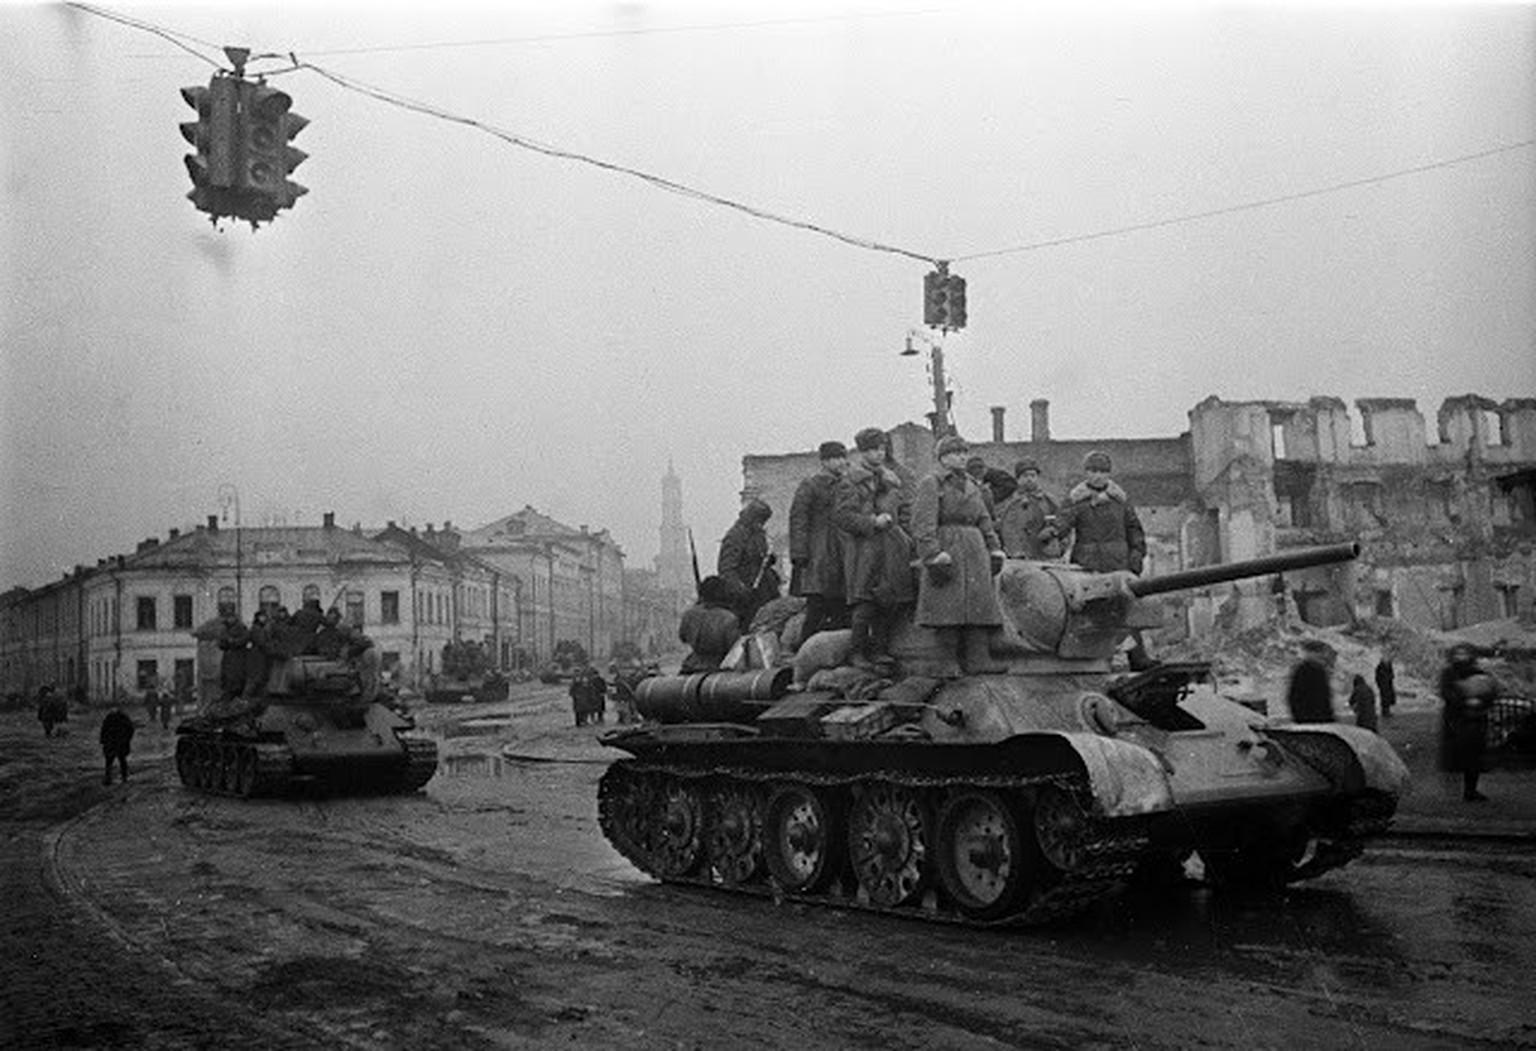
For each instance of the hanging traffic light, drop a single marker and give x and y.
(212, 135)
(266, 159)
(935, 300)
(955, 297)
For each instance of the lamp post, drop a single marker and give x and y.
(940, 413)
(229, 497)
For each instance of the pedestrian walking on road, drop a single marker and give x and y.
(52, 709)
(116, 739)
(1362, 701)
(1386, 684)
(1467, 692)
(1310, 695)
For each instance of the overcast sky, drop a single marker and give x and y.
(451, 327)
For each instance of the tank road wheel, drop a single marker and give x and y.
(677, 843)
(734, 841)
(981, 855)
(1061, 828)
(800, 839)
(186, 763)
(888, 844)
(245, 772)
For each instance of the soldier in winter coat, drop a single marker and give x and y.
(960, 554)
(709, 627)
(1022, 517)
(815, 551)
(871, 510)
(1106, 531)
(116, 737)
(746, 563)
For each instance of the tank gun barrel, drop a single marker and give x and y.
(1253, 567)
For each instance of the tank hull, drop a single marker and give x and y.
(286, 746)
(999, 800)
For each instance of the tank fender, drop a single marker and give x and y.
(1126, 779)
(1352, 758)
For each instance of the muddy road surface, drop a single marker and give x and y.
(487, 911)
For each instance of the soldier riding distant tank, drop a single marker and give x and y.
(746, 563)
(1022, 517)
(871, 511)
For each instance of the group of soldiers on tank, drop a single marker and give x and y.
(256, 661)
(868, 541)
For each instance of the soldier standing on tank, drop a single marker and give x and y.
(746, 563)
(870, 510)
(234, 641)
(306, 623)
(815, 549)
(1022, 517)
(116, 738)
(960, 555)
(1107, 535)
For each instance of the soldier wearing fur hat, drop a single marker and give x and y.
(815, 551)
(870, 510)
(1106, 531)
(1023, 516)
(709, 627)
(745, 561)
(960, 554)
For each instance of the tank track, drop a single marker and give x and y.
(1105, 855)
(220, 765)
(227, 765)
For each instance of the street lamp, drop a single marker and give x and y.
(940, 413)
(229, 497)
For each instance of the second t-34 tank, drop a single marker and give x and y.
(1019, 796)
(320, 727)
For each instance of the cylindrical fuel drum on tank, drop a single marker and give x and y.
(717, 696)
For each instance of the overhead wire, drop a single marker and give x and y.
(672, 186)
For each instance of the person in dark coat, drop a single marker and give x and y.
(746, 561)
(52, 709)
(1386, 684)
(234, 641)
(116, 738)
(869, 509)
(1362, 701)
(976, 467)
(1310, 694)
(1025, 514)
(1106, 531)
(815, 550)
(1468, 693)
(960, 555)
(305, 624)
(709, 627)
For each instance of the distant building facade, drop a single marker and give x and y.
(516, 586)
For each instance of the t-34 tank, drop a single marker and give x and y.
(1016, 797)
(322, 730)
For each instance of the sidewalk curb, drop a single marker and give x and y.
(1449, 830)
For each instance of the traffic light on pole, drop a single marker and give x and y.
(956, 300)
(935, 300)
(267, 123)
(212, 135)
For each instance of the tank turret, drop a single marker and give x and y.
(1070, 612)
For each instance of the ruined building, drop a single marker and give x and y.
(1446, 520)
